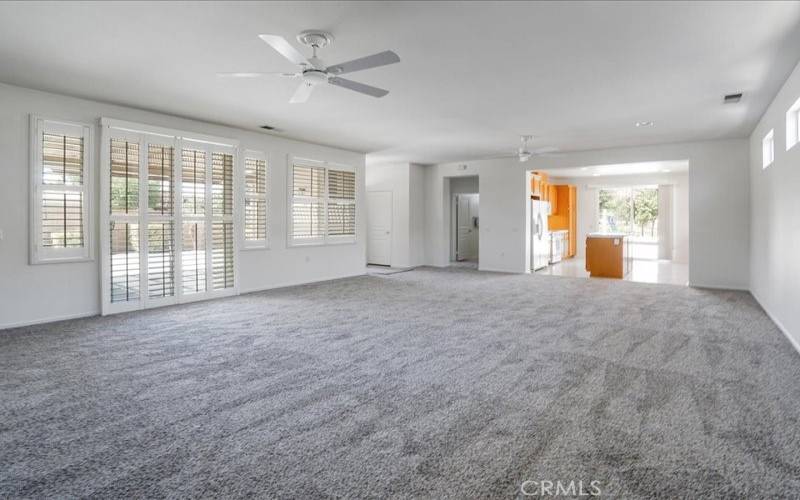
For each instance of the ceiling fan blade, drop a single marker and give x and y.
(283, 47)
(255, 75)
(358, 87)
(302, 93)
(373, 61)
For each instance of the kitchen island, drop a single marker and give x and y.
(607, 255)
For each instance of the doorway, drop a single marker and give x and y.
(379, 228)
(467, 228)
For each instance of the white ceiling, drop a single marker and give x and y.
(473, 75)
(638, 168)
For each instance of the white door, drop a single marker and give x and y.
(379, 227)
(467, 226)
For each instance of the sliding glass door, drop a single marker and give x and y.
(633, 211)
(170, 221)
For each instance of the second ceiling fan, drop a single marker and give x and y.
(314, 72)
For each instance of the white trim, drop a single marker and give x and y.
(51, 319)
(325, 239)
(265, 197)
(293, 283)
(36, 253)
(729, 288)
(795, 343)
(144, 135)
(140, 128)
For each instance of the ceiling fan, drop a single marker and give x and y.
(524, 154)
(314, 72)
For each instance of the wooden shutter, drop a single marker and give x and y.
(222, 220)
(307, 205)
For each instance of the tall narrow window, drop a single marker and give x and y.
(160, 222)
(793, 125)
(222, 220)
(322, 205)
(193, 253)
(61, 196)
(768, 149)
(307, 204)
(255, 200)
(125, 249)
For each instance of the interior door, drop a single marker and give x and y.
(467, 226)
(379, 227)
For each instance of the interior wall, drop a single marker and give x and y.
(394, 177)
(46, 292)
(588, 200)
(718, 200)
(775, 216)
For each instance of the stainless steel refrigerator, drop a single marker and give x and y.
(540, 235)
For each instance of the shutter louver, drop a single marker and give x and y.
(307, 220)
(62, 219)
(124, 177)
(193, 260)
(160, 259)
(221, 184)
(341, 203)
(124, 261)
(62, 159)
(308, 181)
(222, 254)
(160, 179)
(193, 182)
(255, 200)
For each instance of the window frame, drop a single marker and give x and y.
(793, 125)
(265, 197)
(180, 140)
(325, 239)
(768, 149)
(37, 253)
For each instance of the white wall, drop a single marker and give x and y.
(718, 206)
(405, 182)
(775, 216)
(587, 204)
(38, 293)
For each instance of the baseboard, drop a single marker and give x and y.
(287, 284)
(778, 323)
(718, 287)
(49, 320)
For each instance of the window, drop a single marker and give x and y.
(255, 200)
(793, 125)
(768, 149)
(169, 213)
(322, 204)
(61, 191)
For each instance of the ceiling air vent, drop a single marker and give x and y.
(733, 98)
(270, 127)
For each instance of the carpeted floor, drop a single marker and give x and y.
(433, 383)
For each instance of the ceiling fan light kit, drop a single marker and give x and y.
(313, 71)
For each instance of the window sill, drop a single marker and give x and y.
(56, 260)
(322, 244)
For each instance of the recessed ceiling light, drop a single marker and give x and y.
(595, 175)
(584, 168)
(666, 170)
(644, 124)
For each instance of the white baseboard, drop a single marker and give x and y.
(718, 287)
(51, 319)
(778, 323)
(287, 284)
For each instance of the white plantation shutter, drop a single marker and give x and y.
(341, 203)
(322, 204)
(222, 220)
(60, 183)
(170, 216)
(255, 200)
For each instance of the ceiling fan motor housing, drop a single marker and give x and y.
(315, 38)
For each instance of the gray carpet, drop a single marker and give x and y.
(431, 383)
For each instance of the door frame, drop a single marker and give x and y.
(391, 225)
(454, 226)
